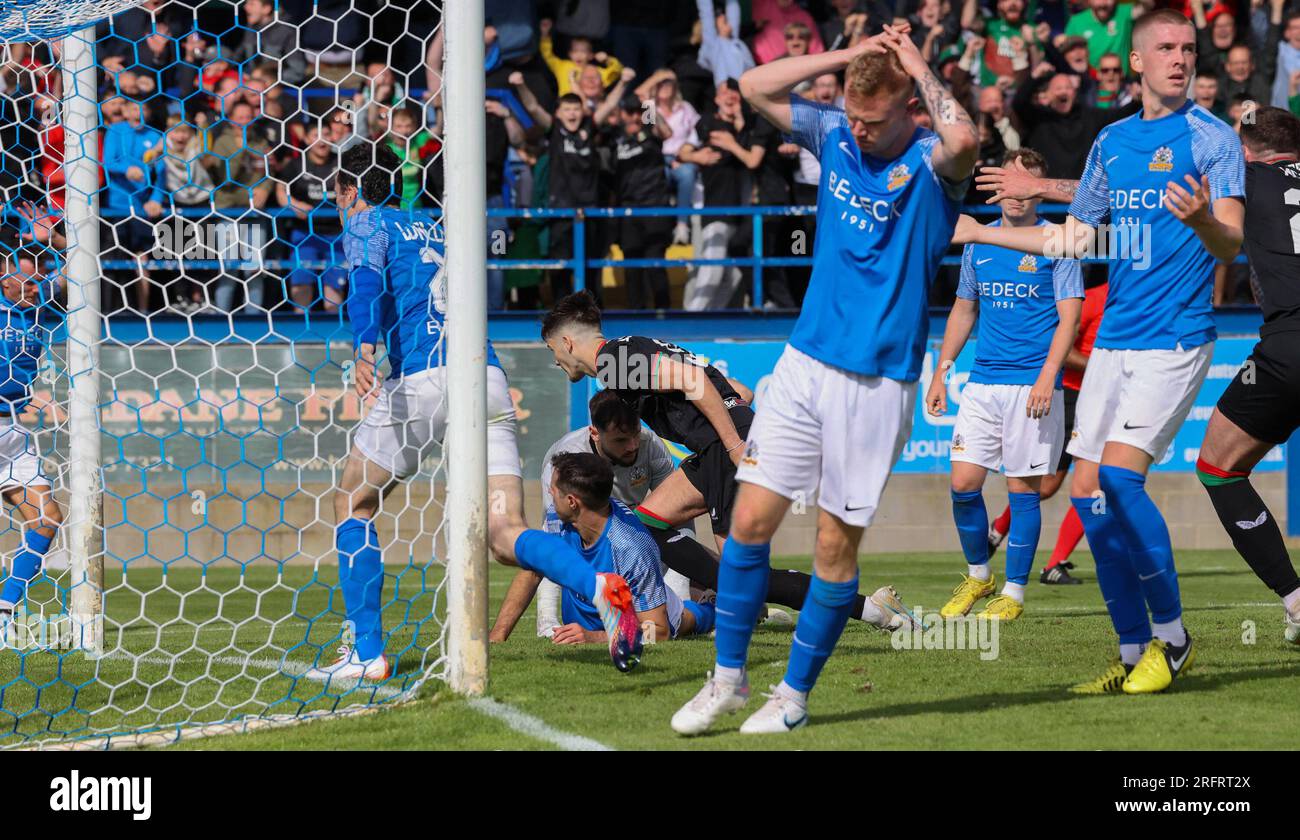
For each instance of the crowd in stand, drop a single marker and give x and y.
(240, 113)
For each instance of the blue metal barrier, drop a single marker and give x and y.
(756, 261)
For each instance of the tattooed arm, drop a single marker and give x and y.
(959, 141)
(1015, 181)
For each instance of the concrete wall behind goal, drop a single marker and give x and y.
(298, 527)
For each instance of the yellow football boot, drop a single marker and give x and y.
(1002, 608)
(1158, 667)
(1111, 681)
(966, 594)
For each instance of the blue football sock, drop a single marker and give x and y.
(704, 616)
(1151, 552)
(1118, 582)
(821, 621)
(361, 577)
(742, 590)
(25, 566)
(551, 557)
(1022, 539)
(972, 525)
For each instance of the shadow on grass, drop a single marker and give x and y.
(1193, 682)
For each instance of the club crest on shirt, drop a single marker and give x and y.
(1028, 263)
(958, 443)
(637, 476)
(1162, 160)
(899, 176)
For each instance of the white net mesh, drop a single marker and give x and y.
(20, 19)
(226, 401)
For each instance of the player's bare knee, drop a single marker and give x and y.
(752, 526)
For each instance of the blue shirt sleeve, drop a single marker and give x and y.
(1216, 151)
(967, 288)
(1067, 279)
(637, 560)
(810, 122)
(1092, 200)
(365, 252)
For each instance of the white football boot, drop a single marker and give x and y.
(716, 699)
(781, 713)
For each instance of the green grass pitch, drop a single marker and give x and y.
(1238, 696)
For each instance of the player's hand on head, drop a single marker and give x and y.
(897, 40)
(1013, 181)
(569, 634)
(1191, 205)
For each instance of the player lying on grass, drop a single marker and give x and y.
(609, 539)
(1057, 570)
(640, 463)
(690, 403)
(30, 316)
(838, 408)
(1169, 180)
(397, 298)
(1261, 407)
(1012, 407)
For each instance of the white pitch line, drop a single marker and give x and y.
(533, 727)
(1186, 607)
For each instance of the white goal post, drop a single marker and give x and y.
(466, 231)
(85, 525)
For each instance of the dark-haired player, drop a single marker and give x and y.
(641, 463)
(397, 297)
(1261, 407)
(609, 539)
(690, 403)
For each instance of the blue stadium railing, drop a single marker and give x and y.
(756, 260)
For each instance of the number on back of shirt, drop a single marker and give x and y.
(1292, 197)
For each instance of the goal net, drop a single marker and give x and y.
(168, 187)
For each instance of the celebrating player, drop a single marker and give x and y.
(1171, 180)
(397, 296)
(838, 408)
(1261, 407)
(30, 315)
(1012, 408)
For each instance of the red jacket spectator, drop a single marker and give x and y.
(52, 162)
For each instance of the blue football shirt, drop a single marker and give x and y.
(625, 548)
(1017, 295)
(398, 290)
(883, 227)
(1161, 276)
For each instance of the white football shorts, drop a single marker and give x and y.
(410, 415)
(1137, 397)
(824, 429)
(993, 430)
